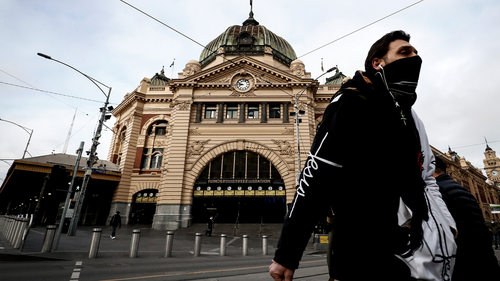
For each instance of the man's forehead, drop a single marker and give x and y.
(398, 44)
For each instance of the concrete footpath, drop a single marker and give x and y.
(152, 248)
(182, 265)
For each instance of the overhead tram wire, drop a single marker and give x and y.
(234, 63)
(204, 47)
(196, 42)
(361, 28)
(36, 89)
(64, 95)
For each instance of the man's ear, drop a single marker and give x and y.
(377, 63)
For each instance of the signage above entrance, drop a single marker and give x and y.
(240, 181)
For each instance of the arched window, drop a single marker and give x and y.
(158, 128)
(240, 165)
(152, 158)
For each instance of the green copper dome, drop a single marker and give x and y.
(249, 39)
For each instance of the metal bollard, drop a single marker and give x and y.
(245, 245)
(23, 226)
(12, 228)
(19, 226)
(170, 243)
(7, 227)
(223, 244)
(49, 238)
(12, 231)
(316, 241)
(264, 245)
(12, 224)
(15, 231)
(134, 245)
(2, 224)
(96, 240)
(197, 245)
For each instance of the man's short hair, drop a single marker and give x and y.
(118, 212)
(379, 49)
(440, 164)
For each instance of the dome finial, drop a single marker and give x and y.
(487, 146)
(250, 21)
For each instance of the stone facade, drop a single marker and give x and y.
(204, 114)
(473, 179)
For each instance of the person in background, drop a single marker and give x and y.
(495, 233)
(116, 221)
(476, 259)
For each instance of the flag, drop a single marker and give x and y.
(322, 65)
(172, 63)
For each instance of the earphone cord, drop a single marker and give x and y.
(382, 76)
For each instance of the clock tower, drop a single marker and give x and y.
(491, 164)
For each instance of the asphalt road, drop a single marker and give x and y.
(113, 263)
(156, 267)
(71, 262)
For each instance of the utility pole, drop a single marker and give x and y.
(90, 162)
(68, 196)
(95, 142)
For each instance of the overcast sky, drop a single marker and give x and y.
(458, 40)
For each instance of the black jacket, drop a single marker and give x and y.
(475, 256)
(116, 221)
(362, 160)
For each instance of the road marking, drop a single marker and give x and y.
(228, 243)
(1, 248)
(43, 233)
(200, 272)
(232, 240)
(76, 272)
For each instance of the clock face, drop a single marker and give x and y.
(243, 84)
(494, 173)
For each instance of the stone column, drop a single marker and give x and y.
(263, 116)
(285, 112)
(169, 211)
(220, 113)
(120, 201)
(242, 113)
(199, 107)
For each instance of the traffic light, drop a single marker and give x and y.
(59, 178)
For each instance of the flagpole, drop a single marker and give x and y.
(173, 64)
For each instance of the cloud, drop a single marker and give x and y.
(118, 46)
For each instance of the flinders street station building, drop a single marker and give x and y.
(219, 139)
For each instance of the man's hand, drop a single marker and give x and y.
(279, 272)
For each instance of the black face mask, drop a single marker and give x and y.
(401, 78)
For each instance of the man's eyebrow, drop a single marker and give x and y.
(407, 48)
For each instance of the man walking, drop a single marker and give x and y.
(476, 259)
(371, 120)
(116, 221)
(495, 233)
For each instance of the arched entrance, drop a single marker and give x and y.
(239, 186)
(143, 206)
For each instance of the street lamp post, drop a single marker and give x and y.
(92, 154)
(296, 114)
(26, 130)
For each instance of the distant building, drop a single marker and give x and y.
(21, 190)
(472, 178)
